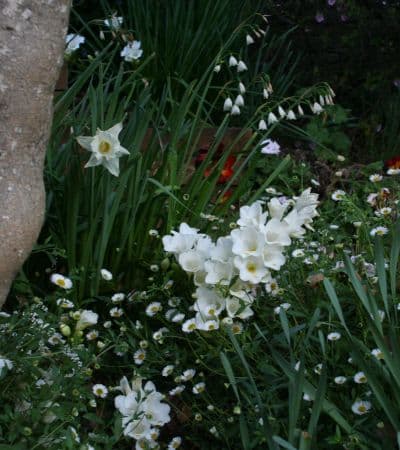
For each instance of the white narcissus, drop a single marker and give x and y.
(105, 147)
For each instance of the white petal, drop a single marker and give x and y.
(121, 151)
(85, 142)
(115, 130)
(93, 161)
(112, 165)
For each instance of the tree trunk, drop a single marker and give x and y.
(32, 37)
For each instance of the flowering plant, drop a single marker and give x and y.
(228, 272)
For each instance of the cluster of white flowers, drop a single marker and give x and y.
(227, 273)
(143, 411)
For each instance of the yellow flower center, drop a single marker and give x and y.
(362, 408)
(99, 391)
(192, 326)
(104, 147)
(61, 282)
(251, 267)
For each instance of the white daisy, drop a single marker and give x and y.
(99, 390)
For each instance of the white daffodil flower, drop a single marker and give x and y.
(105, 147)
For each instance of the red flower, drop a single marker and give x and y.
(393, 163)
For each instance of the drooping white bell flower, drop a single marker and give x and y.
(239, 101)
(291, 115)
(232, 61)
(73, 42)
(105, 147)
(282, 112)
(241, 67)
(272, 118)
(114, 22)
(262, 125)
(235, 111)
(242, 88)
(228, 104)
(249, 40)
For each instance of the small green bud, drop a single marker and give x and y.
(65, 330)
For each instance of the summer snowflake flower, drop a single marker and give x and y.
(335, 336)
(232, 61)
(361, 407)
(118, 298)
(241, 67)
(139, 356)
(272, 118)
(375, 178)
(270, 147)
(99, 390)
(105, 147)
(73, 42)
(360, 378)
(379, 231)
(338, 195)
(132, 51)
(340, 380)
(61, 281)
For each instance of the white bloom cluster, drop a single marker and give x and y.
(143, 411)
(226, 273)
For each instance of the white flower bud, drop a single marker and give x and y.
(232, 61)
(241, 66)
(262, 125)
(249, 40)
(228, 104)
(239, 101)
(242, 88)
(217, 68)
(235, 111)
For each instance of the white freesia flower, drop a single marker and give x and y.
(218, 272)
(86, 319)
(191, 261)
(105, 147)
(247, 241)
(251, 269)
(132, 51)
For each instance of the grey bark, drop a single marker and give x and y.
(32, 36)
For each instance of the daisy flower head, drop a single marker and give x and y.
(360, 378)
(167, 370)
(61, 281)
(199, 388)
(175, 443)
(379, 231)
(334, 336)
(340, 380)
(361, 407)
(189, 326)
(99, 390)
(377, 353)
(105, 148)
(106, 275)
(118, 298)
(177, 390)
(188, 374)
(153, 308)
(139, 356)
(65, 303)
(338, 195)
(116, 312)
(375, 178)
